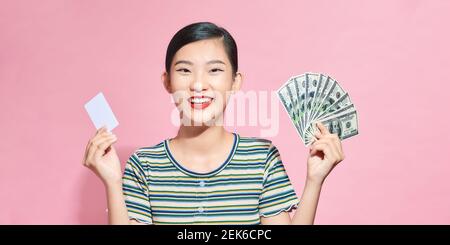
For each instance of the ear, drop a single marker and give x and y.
(166, 82)
(237, 83)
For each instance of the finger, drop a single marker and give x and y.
(333, 153)
(313, 139)
(86, 151)
(318, 135)
(102, 129)
(113, 149)
(104, 148)
(313, 150)
(100, 151)
(310, 135)
(320, 142)
(322, 128)
(90, 153)
(333, 148)
(332, 144)
(89, 150)
(337, 144)
(315, 132)
(96, 145)
(323, 140)
(102, 134)
(323, 148)
(327, 152)
(104, 138)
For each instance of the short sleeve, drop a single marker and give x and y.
(135, 190)
(277, 194)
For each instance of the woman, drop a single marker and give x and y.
(207, 175)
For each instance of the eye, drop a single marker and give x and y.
(183, 70)
(215, 70)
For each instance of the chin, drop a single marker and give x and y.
(202, 118)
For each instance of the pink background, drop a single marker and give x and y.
(391, 56)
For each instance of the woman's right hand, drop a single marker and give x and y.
(101, 157)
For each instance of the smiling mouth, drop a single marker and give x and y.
(200, 102)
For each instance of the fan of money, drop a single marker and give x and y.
(314, 97)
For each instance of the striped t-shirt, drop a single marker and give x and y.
(252, 182)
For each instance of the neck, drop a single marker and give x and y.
(201, 138)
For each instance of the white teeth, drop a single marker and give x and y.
(200, 100)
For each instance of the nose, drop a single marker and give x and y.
(199, 84)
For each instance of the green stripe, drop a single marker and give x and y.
(259, 159)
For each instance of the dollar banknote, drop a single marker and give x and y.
(315, 97)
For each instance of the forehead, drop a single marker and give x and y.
(202, 51)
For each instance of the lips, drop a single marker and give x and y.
(200, 102)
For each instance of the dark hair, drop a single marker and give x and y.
(202, 31)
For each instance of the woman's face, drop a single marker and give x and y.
(201, 81)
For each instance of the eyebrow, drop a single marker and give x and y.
(190, 63)
(215, 62)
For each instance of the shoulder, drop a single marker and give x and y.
(271, 154)
(252, 143)
(146, 154)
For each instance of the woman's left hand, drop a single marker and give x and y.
(325, 153)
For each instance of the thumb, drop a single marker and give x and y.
(110, 151)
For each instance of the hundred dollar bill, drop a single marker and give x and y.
(344, 125)
(332, 95)
(338, 113)
(322, 94)
(286, 98)
(322, 81)
(297, 97)
(331, 105)
(314, 97)
(299, 83)
(311, 88)
(329, 108)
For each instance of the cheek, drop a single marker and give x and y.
(222, 91)
(178, 82)
(221, 100)
(222, 83)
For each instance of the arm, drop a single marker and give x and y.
(101, 157)
(117, 211)
(309, 200)
(306, 211)
(325, 153)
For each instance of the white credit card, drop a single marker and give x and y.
(100, 112)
